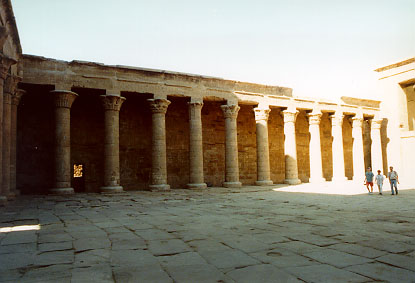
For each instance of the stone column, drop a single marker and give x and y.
(376, 148)
(316, 164)
(159, 164)
(5, 63)
(358, 154)
(290, 148)
(262, 147)
(13, 160)
(9, 88)
(112, 105)
(337, 147)
(196, 146)
(63, 100)
(230, 113)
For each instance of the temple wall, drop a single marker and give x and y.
(303, 146)
(276, 145)
(247, 155)
(348, 148)
(326, 144)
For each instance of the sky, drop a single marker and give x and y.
(320, 48)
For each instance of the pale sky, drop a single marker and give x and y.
(320, 48)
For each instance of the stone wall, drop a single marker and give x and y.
(348, 148)
(247, 145)
(213, 125)
(303, 146)
(326, 143)
(35, 141)
(276, 145)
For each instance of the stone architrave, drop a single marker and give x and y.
(13, 159)
(9, 89)
(158, 180)
(5, 63)
(290, 148)
(337, 147)
(376, 148)
(196, 177)
(230, 113)
(63, 100)
(262, 147)
(358, 154)
(316, 164)
(112, 105)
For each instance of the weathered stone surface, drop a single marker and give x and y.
(380, 271)
(358, 250)
(196, 273)
(123, 258)
(228, 259)
(149, 273)
(261, 273)
(166, 247)
(92, 257)
(336, 258)
(23, 237)
(399, 261)
(55, 257)
(16, 260)
(18, 248)
(60, 246)
(94, 273)
(325, 273)
(53, 273)
(91, 243)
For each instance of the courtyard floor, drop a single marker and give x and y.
(254, 234)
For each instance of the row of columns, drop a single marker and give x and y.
(9, 99)
(112, 105)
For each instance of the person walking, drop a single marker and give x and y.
(379, 181)
(393, 179)
(369, 180)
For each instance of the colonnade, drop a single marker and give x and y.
(158, 179)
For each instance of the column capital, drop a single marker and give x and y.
(357, 122)
(63, 98)
(261, 114)
(196, 104)
(376, 124)
(314, 118)
(230, 111)
(5, 63)
(10, 84)
(112, 102)
(337, 119)
(159, 105)
(290, 115)
(17, 96)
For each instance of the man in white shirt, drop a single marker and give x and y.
(393, 180)
(379, 181)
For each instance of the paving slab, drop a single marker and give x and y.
(263, 273)
(95, 273)
(401, 261)
(92, 257)
(149, 273)
(125, 258)
(91, 243)
(167, 247)
(325, 273)
(383, 272)
(336, 258)
(196, 273)
(54, 257)
(358, 250)
(18, 248)
(228, 259)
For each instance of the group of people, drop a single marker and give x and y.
(379, 178)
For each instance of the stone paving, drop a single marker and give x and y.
(253, 234)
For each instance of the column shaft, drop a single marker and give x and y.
(112, 105)
(6, 145)
(196, 177)
(316, 164)
(159, 163)
(63, 101)
(337, 147)
(262, 147)
(290, 148)
(358, 154)
(230, 113)
(376, 149)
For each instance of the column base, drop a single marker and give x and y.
(232, 184)
(316, 180)
(339, 179)
(264, 183)
(294, 181)
(111, 189)
(3, 200)
(197, 186)
(62, 191)
(157, 188)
